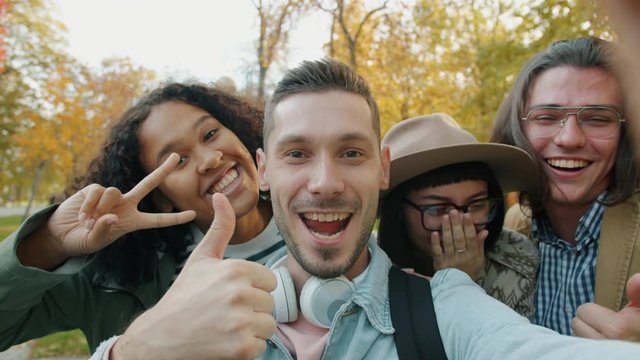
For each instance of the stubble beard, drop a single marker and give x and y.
(323, 269)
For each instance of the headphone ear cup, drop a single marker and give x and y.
(321, 299)
(284, 297)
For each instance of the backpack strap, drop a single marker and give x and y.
(414, 317)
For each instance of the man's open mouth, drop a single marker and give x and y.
(326, 225)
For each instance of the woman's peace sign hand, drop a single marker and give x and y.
(96, 216)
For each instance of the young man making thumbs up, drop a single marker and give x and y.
(324, 168)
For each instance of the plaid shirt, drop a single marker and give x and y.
(566, 276)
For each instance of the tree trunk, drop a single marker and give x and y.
(262, 77)
(34, 187)
(352, 55)
(332, 51)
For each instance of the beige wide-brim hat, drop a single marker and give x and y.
(425, 143)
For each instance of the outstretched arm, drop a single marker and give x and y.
(597, 322)
(475, 326)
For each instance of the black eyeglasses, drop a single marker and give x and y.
(596, 121)
(482, 211)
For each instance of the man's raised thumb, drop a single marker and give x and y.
(633, 290)
(217, 237)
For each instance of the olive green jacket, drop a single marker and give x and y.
(34, 302)
(618, 248)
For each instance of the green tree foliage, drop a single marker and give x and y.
(422, 56)
(54, 111)
(456, 56)
(352, 29)
(276, 20)
(32, 45)
(60, 139)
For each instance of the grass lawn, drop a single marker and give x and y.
(8, 224)
(70, 343)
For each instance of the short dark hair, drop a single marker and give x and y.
(320, 76)
(392, 233)
(583, 52)
(134, 258)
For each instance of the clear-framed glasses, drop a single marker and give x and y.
(482, 211)
(596, 121)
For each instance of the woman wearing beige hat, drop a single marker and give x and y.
(445, 207)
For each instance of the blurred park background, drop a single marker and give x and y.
(420, 56)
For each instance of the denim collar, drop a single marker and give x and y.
(372, 292)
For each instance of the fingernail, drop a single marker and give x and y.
(82, 216)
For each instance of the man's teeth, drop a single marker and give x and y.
(567, 164)
(326, 217)
(325, 236)
(225, 181)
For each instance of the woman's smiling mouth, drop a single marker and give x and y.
(226, 180)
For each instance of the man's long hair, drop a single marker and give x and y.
(584, 52)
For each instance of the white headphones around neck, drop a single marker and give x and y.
(320, 299)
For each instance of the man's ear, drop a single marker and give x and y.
(261, 159)
(385, 158)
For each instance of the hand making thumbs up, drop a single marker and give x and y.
(597, 322)
(216, 309)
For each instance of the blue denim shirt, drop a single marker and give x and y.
(362, 327)
(473, 325)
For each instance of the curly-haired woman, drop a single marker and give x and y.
(112, 249)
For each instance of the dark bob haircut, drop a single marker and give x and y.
(392, 234)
